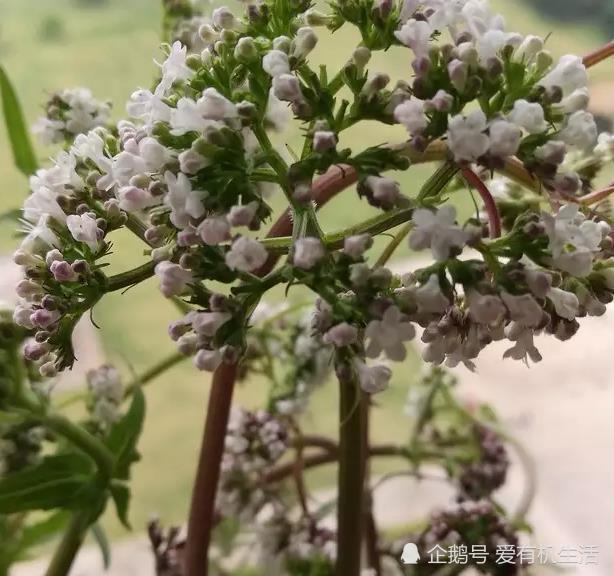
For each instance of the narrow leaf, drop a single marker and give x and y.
(17, 129)
(103, 543)
(125, 434)
(121, 498)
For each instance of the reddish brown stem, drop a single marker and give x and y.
(202, 510)
(599, 55)
(494, 220)
(200, 523)
(371, 535)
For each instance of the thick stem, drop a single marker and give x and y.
(72, 540)
(350, 502)
(370, 526)
(200, 523)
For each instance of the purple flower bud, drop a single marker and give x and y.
(34, 351)
(355, 246)
(62, 271)
(458, 74)
(214, 230)
(44, 318)
(242, 215)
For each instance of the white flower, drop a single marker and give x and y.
(208, 360)
(485, 308)
(304, 42)
(385, 190)
(214, 106)
(438, 231)
(504, 138)
(523, 309)
(341, 335)
(388, 335)
(133, 199)
(415, 34)
(529, 116)
(208, 323)
(565, 303)
(372, 379)
(173, 68)
(491, 43)
(191, 162)
(411, 114)
(524, 346)
(214, 230)
(149, 107)
(466, 136)
(568, 75)
(580, 130)
(577, 100)
(430, 298)
(529, 48)
(184, 202)
(187, 117)
(243, 215)
(307, 252)
(173, 278)
(479, 19)
(275, 63)
(84, 229)
(223, 18)
(40, 238)
(356, 246)
(287, 88)
(48, 131)
(40, 203)
(246, 255)
(573, 239)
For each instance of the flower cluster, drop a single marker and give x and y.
(481, 478)
(469, 524)
(69, 113)
(106, 393)
(189, 173)
(296, 546)
(254, 442)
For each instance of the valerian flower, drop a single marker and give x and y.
(388, 335)
(438, 231)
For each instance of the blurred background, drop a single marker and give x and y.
(561, 409)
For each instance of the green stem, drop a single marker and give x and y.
(131, 277)
(72, 540)
(394, 244)
(82, 439)
(350, 505)
(153, 372)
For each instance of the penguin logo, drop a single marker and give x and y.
(410, 554)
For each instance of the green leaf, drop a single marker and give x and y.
(125, 434)
(55, 482)
(23, 153)
(121, 498)
(103, 543)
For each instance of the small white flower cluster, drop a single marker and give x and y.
(552, 103)
(106, 395)
(69, 113)
(254, 442)
(284, 541)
